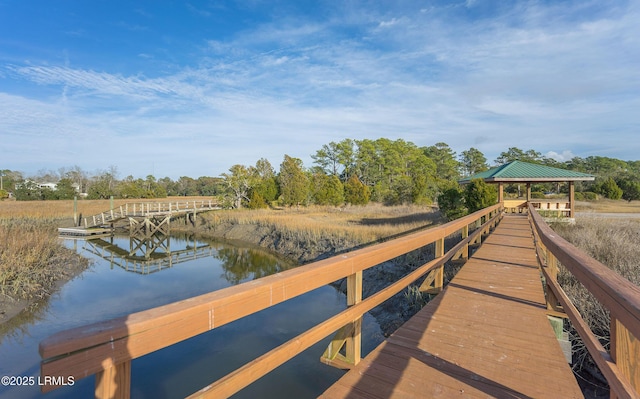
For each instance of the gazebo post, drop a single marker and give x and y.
(500, 192)
(528, 191)
(572, 202)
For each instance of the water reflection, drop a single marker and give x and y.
(240, 264)
(153, 254)
(120, 283)
(145, 255)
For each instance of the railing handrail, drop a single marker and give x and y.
(614, 292)
(91, 349)
(620, 296)
(145, 208)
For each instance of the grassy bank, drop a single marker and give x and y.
(305, 233)
(613, 242)
(32, 263)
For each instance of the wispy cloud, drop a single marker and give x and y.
(552, 77)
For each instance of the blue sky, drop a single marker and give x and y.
(174, 88)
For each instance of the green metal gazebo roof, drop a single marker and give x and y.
(518, 171)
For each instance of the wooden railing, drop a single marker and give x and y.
(621, 364)
(145, 209)
(106, 349)
(546, 207)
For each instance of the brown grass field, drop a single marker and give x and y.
(608, 206)
(64, 209)
(354, 224)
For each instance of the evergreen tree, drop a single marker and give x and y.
(265, 184)
(65, 190)
(294, 185)
(609, 189)
(630, 190)
(355, 192)
(451, 203)
(479, 195)
(473, 161)
(516, 154)
(444, 157)
(327, 190)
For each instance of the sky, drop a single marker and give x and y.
(190, 88)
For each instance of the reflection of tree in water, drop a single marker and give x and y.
(242, 263)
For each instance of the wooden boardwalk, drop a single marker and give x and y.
(486, 335)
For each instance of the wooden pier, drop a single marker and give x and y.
(486, 335)
(144, 218)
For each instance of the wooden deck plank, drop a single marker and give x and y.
(485, 335)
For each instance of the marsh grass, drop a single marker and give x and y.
(608, 206)
(613, 242)
(355, 225)
(29, 255)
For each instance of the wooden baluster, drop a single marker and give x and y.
(114, 382)
(465, 234)
(434, 281)
(552, 270)
(354, 341)
(439, 281)
(625, 351)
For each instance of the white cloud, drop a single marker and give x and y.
(288, 87)
(566, 155)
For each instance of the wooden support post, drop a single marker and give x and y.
(76, 222)
(572, 203)
(553, 304)
(465, 249)
(434, 282)
(625, 351)
(348, 337)
(354, 341)
(114, 382)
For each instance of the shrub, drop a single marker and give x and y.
(609, 188)
(451, 204)
(586, 196)
(355, 192)
(479, 195)
(538, 195)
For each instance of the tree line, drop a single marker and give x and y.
(349, 171)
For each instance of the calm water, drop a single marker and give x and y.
(114, 286)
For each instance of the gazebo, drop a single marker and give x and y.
(518, 172)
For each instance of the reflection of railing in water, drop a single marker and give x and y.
(156, 253)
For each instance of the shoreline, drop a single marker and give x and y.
(68, 266)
